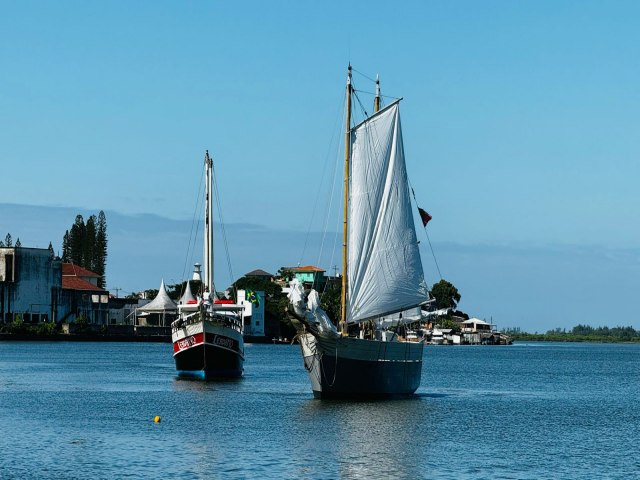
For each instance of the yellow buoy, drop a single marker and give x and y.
(157, 419)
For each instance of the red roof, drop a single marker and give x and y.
(308, 268)
(73, 278)
(70, 282)
(77, 271)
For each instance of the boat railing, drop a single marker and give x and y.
(227, 317)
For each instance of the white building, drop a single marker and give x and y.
(253, 313)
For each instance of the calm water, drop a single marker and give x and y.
(85, 410)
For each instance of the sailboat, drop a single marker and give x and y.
(368, 354)
(207, 335)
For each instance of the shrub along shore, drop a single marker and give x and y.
(580, 333)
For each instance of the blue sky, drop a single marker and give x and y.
(520, 125)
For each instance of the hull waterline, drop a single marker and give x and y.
(361, 369)
(216, 354)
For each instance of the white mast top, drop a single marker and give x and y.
(208, 226)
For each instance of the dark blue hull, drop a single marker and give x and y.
(209, 362)
(361, 369)
(364, 379)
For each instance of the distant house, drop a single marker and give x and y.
(261, 274)
(309, 275)
(476, 331)
(75, 276)
(122, 310)
(475, 325)
(81, 296)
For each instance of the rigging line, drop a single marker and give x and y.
(362, 74)
(336, 240)
(194, 226)
(222, 223)
(432, 252)
(333, 252)
(331, 196)
(425, 231)
(364, 110)
(381, 96)
(320, 184)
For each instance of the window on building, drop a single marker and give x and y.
(8, 268)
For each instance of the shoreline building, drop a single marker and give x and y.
(82, 297)
(30, 284)
(36, 286)
(309, 276)
(253, 319)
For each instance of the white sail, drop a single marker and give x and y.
(384, 268)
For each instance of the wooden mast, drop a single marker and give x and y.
(347, 154)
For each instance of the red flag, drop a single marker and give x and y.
(424, 216)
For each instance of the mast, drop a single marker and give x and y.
(376, 101)
(347, 152)
(208, 226)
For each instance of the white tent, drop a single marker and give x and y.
(161, 305)
(187, 296)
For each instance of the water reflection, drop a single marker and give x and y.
(371, 439)
(181, 384)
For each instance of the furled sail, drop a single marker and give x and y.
(384, 272)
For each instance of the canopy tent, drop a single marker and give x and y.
(187, 296)
(160, 306)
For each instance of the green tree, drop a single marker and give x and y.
(101, 249)
(285, 274)
(86, 245)
(330, 302)
(89, 244)
(445, 294)
(17, 325)
(81, 322)
(18, 243)
(66, 247)
(46, 328)
(76, 241)
(450, 323)
(7, 240)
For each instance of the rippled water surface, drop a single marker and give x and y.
(530, 411)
